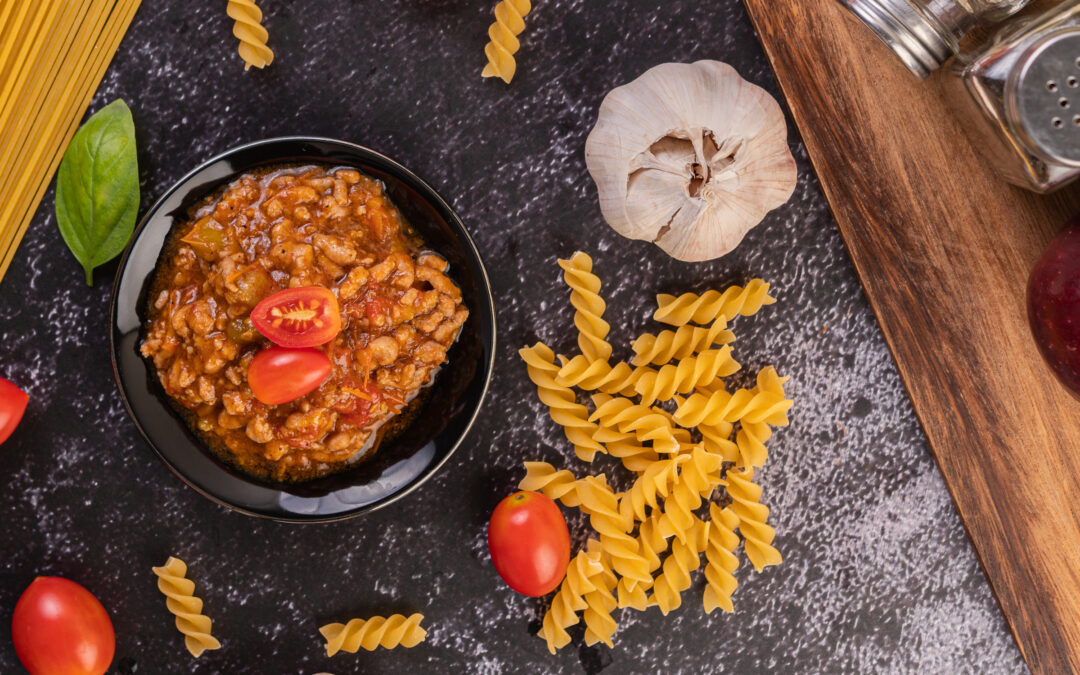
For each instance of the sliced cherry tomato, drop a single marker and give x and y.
(60, 628)
(298, 317)
(12, 406)
(529, 543)
(279, 374)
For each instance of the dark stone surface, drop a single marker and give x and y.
(878, 573)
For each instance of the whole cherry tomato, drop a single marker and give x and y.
(12, 406)
(279, 374)
(529, 543)
(298, 317)
(60, 628)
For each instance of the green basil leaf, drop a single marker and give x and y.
(97, 187)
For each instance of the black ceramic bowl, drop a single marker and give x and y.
(401, 464)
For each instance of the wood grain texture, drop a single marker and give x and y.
(943, 250)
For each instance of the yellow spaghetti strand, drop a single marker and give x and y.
(75, 43)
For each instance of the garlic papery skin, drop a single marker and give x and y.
(690, 156)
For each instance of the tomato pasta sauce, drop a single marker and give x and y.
(289, 228)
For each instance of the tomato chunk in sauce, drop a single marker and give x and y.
(291, 227)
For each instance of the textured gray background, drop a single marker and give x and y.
(878, 573)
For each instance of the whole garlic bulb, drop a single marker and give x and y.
(690, 156)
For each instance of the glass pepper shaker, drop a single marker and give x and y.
(1018, 96)
(926, 33)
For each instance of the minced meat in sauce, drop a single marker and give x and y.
(284, 228)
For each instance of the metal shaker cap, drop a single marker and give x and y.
(1042, 97)
(922, 43)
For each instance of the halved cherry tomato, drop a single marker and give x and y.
(279, 374)
(529, 543)
(12, 406)
(60, 628)
(298, 317)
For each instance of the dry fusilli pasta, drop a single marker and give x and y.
(647, 424)
(751, 438)
(600, 626)
(580, 575)
(181, 601)
(746, 504)
(386, 632)
(626, 447)
(651, 541)
(653, 482)
(561, 402)
(589, 306)
(509, 22)
(702, 472)
(712, 441)
(721, 562)
(249, 30)
(743, 405)
(712, 305)
(599, 375)
(678, 344)
(685, 557)
(678, 516)
(602, 506)
(685, 376)
(558, 485)
(717, 440)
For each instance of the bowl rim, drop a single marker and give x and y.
(465, 239)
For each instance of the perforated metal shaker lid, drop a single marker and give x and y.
(1042, 98)
(922, 43)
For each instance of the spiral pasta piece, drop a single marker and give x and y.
(717, 440)
(249, 30)
(181, 601)
(601, 504)
(685, 341)
(678, 517)
(653, 483)
(627, 448)
(589, 306)
(569, 600)
(712, 305)
(742, 406)
(386, 632)
(583, 373)
(504, 43)
(651, 541)
(702, 472)
(647, 424)
(557, 485)
(561, 402)
(600, 626)
(685, 376)
(720, 560)
(746, 504)
(685, 557)
(751, 438)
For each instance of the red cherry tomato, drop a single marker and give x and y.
(529, 543)
(12, 406)
(279, 374)
(298, 317)
(60, 628)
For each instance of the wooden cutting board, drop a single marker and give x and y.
(943, 249)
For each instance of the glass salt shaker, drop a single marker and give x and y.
(1019, 98)
(926, 33)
